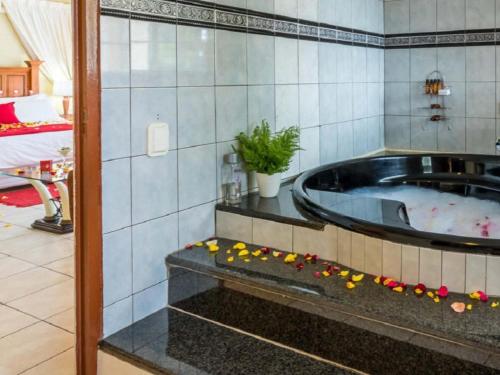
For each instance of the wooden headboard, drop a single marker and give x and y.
(20, 81)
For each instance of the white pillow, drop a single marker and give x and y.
(22, 98)
(36, 110)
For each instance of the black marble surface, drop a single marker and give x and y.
(171, 342)
(281, 208)
(368, 301)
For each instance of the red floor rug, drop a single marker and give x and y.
(25, 197)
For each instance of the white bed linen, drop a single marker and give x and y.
(29, 149)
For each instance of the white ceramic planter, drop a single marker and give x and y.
(269, 185)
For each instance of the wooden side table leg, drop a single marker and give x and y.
(65, 211)
(50, 209)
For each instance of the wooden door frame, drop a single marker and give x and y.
(87, 217)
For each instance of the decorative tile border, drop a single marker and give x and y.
(452, 38)
(196, 13)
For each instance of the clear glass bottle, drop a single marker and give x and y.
(231, 178)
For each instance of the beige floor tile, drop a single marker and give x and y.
(49, 301)
(46, 253)
(12, 320)
(65, 320)
(61, 364)
(9, 231)
(23, 216)
(30, 346)
(10, 266)
(28, 282)
(65, 265)
(29, 240)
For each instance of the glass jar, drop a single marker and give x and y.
(232, 175)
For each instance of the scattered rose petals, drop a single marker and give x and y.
(299, 266)
(387, 281)
(230, 259)
(256, 253)
(442, 292)
(277, 254)
(458, 307)
(436, 299)
(310, 258)
(213, 248)
(479, 295)
(243, 253)
(469, 307)
(198, 244)
(266, 250)
(263, 259)
(350, 285)
(419, 289)
(377, 280)
(290, 258)
(392, 284)
(344, 273)
(239, 246)
(430, 294)
(357, 278)
(211, 242)
(188, 246)
(398, 289)
(495, 304)
(326, 274)
(317, 274)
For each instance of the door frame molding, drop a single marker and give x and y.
(87, 192)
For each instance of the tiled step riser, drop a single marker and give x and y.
(460, 272)
(342, 338)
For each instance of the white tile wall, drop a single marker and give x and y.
(273, 234)
(430, 267)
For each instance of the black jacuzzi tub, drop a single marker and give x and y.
(321, 193)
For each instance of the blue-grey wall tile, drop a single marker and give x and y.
(372, 19)
(451, 135)
(359, 100)
(287, 106)
(196, 116)
(309, 142)
(261, 106)
(287, 8)
(308, 10)
(480, 62)
(359, 64)
(231, 111)
(423, 61)
(358, 14)
(326, 11)
(117, 266)
(372, 99)
(397, 132)
(308, 61)
(154, 186)
(450, 15)
(224, 148)
(344, 63)
(195, 56)
(197, 165)
(266, 6)
(327, 63)
(422, 16)
(456, 101)
(286, 62)
(197, 223)
(397, 98)
(115, 52)
(343, 9)
(397, 65)
(328, 143)
(480, 14)
(116, 202)
(260, 52)
(230, 58)
(150, 300)
(328, 103)
(152, 105)
(309, 105)
(117, 316)
(152, 241)
(451, 62)
(294, 168)
(360, 137)
(480, 99)
(480, 136)
(345, 140)
(233, 3)
(152, 54)
(115, 123)
(397, 16)
(344, 102)
(373, 134)
(423, 134)
(420, 103)
(372, 64)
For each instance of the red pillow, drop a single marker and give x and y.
(8, 114)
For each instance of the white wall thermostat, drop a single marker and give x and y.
(158, 139)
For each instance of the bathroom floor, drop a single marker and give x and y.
(37, 315)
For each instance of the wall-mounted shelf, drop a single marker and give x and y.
(435, 88)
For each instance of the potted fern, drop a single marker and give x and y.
(268, 155)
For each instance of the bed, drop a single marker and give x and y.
(27, 143)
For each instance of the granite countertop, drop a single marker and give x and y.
(481, 327)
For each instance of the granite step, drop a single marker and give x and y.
(369, 329)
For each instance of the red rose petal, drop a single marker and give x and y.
(299, 266)
(442, 292)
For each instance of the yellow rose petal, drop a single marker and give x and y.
(495, 304)
(7, 225)
(326, 273)
(276, 254)
(430, 294)
(198, 244)
(398, 289)
(247, 260)
(228, 251)
(469, 307)
(357, 278)
(344, 273)
(263, 259)
(256, 253)
(475, 295)
(377, 280)
(387, 281)
(243, 253)
(213, 248)
(230, 259)
(436, 299)
(350, 285)
(290, 258)
(239, 246)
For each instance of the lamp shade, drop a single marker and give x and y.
(63, 88)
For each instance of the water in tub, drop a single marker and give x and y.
(433, 211)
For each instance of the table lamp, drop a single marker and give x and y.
(64, 89)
